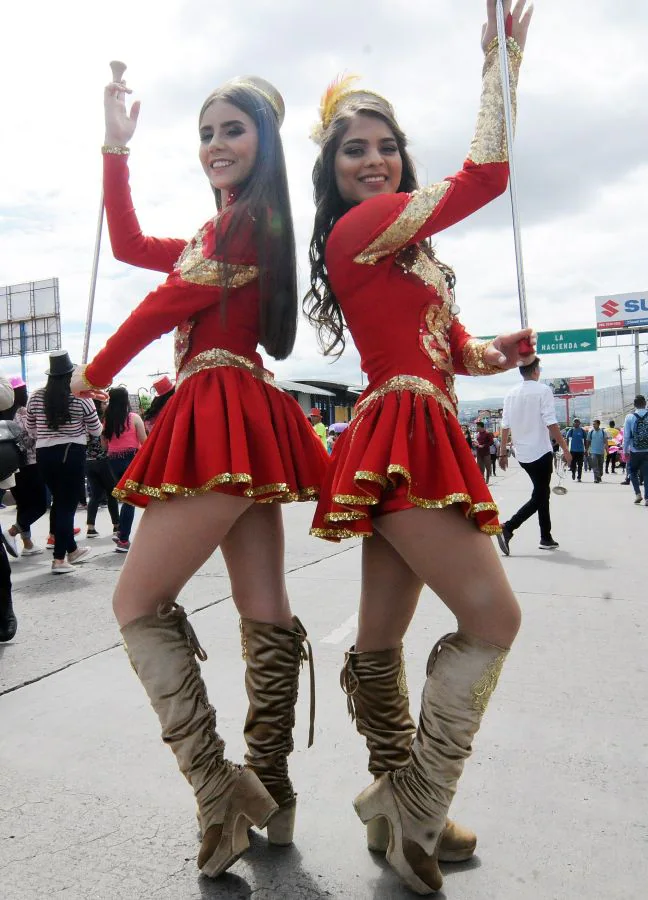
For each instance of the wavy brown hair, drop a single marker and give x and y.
(320, 304)
(263, 198)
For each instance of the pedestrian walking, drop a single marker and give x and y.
(468, 436)
(227, 449)
(530, 418)
(611, 457)
(577, 439)
(494, 453)
(635, 446)
(124, 434)
(483, 443)
(8, 619)
(318, 426)
(29, 490)
(101, 481)
(60, 424)
(403, 471)
(597, 441)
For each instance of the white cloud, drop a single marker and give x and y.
(580, 146)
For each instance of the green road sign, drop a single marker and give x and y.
(576, 340)
(579, 340)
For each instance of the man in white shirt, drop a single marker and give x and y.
(530, 417)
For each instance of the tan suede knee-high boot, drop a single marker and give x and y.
(162, 649)
(273, 658)
(377, 697)
(462, 674)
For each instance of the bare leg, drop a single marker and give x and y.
(254, 555)
(174, 539)
(460, 565)
(390, 593)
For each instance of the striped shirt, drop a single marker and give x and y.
(84, 421)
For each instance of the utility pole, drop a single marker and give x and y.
(637, 364)
(621, 369)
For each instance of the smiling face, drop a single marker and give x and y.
(367, 161)
(229, 142)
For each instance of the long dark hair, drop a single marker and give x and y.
(264, 199)
(320, 304)
(57, 401)
(116, 414)
(20, 400)
(157, 405)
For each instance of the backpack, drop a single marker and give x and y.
(640, 433)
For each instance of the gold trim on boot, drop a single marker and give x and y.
(375, 683)
(462, 674)
(274, 657)
(162, 650)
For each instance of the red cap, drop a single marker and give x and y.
(315, 412)
(163, 385)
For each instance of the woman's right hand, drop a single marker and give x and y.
(517, 22)
(120, 125)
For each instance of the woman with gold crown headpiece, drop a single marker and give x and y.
(402, 471)
(225, 450)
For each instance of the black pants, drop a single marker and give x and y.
(63, 468)
(101, 480)
(577, 463)
(5, 580)
(610, 460)
(539, 471)
(30, 495)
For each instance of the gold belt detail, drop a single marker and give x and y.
(412, 383)
(215, 358)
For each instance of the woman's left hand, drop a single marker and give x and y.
(517, 22)
(79, 386)
(504, 352)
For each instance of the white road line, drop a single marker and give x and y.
(339, 634)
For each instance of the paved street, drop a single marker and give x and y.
(92, 806)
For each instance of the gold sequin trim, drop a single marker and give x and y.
(216, 358)
(244, 652)
(402, 677)
(483, 689)
(336, 533)
(166, 490)
(349, 516)
(415, 261)
(181, 342)
(420, 206)
(353, 499)
(115, 150)
(489, 142)
(473, 358)
(411, 383)
(192, 266)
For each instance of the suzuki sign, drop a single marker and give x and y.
(622, 312)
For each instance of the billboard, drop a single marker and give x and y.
(571, 387)
(622, 313)
(29, 318)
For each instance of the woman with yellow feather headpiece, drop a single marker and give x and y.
(402, 471)
(227, 448)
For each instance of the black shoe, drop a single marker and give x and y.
(548, 544)
(8, 623)
(503, 539)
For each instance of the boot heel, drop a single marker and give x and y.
(377, 803)
(281, 826)
(254, 801)
(378, 835)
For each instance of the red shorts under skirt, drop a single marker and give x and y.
(225, 430)
(403, 450)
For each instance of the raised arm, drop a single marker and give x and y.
(128, 243)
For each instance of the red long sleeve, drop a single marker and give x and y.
(128, 243)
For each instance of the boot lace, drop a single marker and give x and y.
(178, 612)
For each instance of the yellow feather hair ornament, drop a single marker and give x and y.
(330, 101)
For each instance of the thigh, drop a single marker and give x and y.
(388, 598)
(254, 555)
(174, 539)
(459, 563)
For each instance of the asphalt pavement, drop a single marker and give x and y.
(92, 805)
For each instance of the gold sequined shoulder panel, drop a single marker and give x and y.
(420, 206)
(193, 266)
(489, 142)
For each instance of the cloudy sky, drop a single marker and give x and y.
(581, 148)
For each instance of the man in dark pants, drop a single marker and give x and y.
(530, 417)
(577, 440)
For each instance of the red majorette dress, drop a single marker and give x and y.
(227, 428)
(404, 446)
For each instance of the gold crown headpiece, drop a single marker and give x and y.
(337, 93)
(259, 86)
